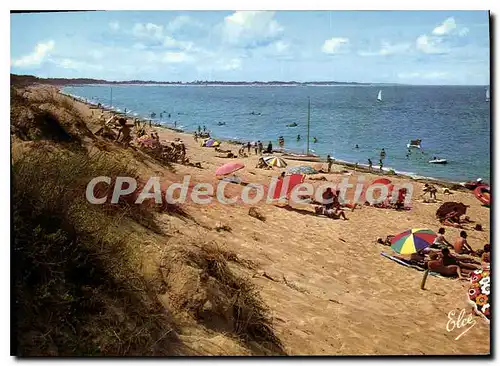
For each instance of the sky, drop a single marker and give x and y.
(409, 47)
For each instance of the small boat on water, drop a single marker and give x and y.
(414, 144)
(221, 123)
(292, 125)
(302, 157)
(379, 96)
(438, 161)
(487, 95)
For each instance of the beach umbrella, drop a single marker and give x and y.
(412, 241)
(229, 168)
(448, 207)
(302, 169)
(211, 143)
(275, 161)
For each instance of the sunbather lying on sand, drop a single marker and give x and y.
(460, 261)
(436, 264)
(451, 219)
(334, 213)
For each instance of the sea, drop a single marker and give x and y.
(347, 122)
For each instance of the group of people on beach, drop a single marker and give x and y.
(258, 148)
(174, 152)
(439, 258)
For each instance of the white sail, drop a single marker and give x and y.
(487, 95)
(379, 96)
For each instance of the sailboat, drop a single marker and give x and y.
(307, 156)
(488, 95)
(379, 96)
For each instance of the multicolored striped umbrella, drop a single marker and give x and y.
(412, 241)
(211, 143)
(275, 161)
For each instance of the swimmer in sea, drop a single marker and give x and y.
(315, 139)
(298, 137)
(357, 147)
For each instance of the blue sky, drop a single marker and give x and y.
(411, 47)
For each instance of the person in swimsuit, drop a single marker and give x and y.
(124, 132)
(440, 242)
(329, 160)
(461, 246)
(328, 199)
(435, 264)
(449, 260)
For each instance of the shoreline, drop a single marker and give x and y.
(342, 163)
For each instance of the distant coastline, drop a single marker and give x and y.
(30, 79)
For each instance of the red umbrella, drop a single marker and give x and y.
(229, 168)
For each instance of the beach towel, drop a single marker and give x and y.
(406, 264)
(479, 293)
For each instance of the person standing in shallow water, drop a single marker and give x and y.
(381, 164)
(329, 160)
(370, 164)
(270, 147)
(382, 154)
(199, 128)
(248, 147)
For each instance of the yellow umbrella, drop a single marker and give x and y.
(275, 161)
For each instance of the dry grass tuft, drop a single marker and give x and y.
(220, 299)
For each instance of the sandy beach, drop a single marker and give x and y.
(329, 290)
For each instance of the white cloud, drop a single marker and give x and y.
(39, 54)
(335, 45)
(250, 26)
(463, 32)
(170, 42)
(281, 46)
(430, 45)
(182, 21)
(233, 64)
(387, 49)
(148, 30)
(114, 25)
(67, 63)
(176, 57)
(447, 27)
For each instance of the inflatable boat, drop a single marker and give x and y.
(483, 194)
(438, 161)
(292, 125)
